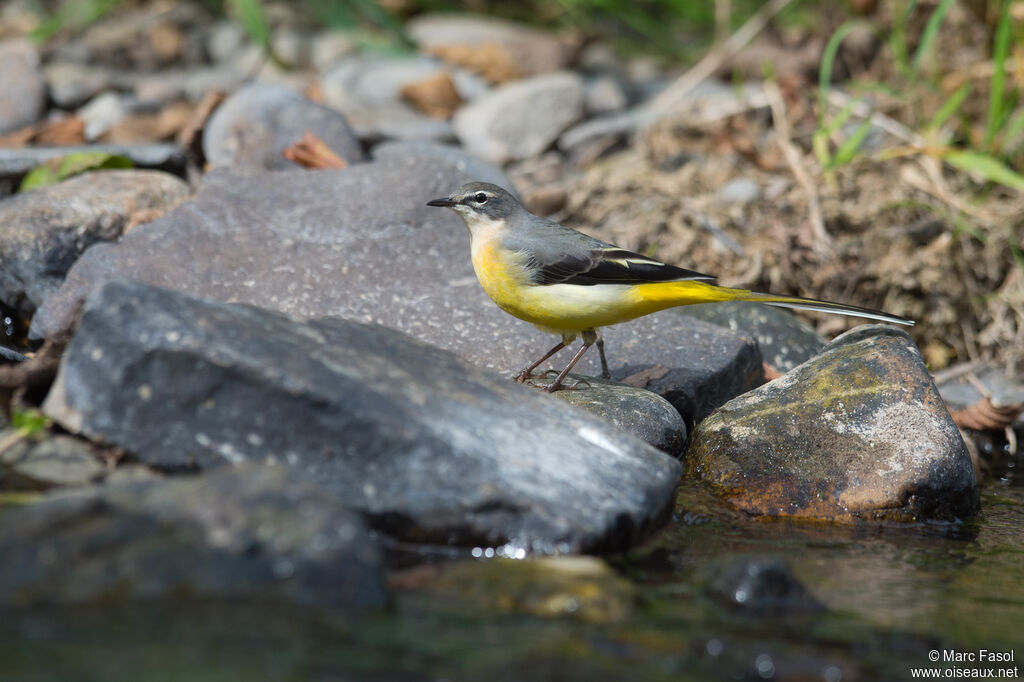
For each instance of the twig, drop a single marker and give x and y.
(822, 240)
(714, 59)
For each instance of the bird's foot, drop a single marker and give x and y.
(559, 386)
(523, 377)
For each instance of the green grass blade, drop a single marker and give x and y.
(930, 31)
(828, 58)
(252, 18)
(847, 151)
(1000, 51)
(987, 166)
(951, 106)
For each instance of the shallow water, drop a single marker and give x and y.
(893, 593)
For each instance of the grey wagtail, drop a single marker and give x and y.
(569, 284)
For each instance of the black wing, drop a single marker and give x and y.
(610, 265)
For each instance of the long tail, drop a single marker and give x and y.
(660, 295)
(799, 303)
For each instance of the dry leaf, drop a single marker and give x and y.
(490, 60)
(161, 125)
(435, 96)
(645, 376)
(189, 134)
(770, 372)
(311, 152)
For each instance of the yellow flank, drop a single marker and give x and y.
(561, 308)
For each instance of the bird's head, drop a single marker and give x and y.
(480, 202)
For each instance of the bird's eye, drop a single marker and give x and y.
(480, 198)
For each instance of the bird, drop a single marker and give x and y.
(570, 284)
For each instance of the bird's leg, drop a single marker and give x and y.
(528, 372)
(605, 372)
(557, 384)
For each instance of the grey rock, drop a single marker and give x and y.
(646, 415)
(762, 586)
(101, 114)
(330, 47)
(72, 83)
(291, 46)
(255, 124)
(784, 340)
(427, 447)
(739, 191)
(360, 243)
(604, 95)
(368, 91)
(858, 431)
(520, 119)
(959, 385)
(56, 460)
(22, 88)
(15, 163)
(225, 39)
(533, 51)
(254, 533)
(43, 231)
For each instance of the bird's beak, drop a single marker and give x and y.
(446, 202)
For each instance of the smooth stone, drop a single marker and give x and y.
(15, 163)
(959, 385)
(604, 95)
(331, 46)
(532, 50)
(646, 415)
(360, 243)
(520, 119)
(367, 90)
(427, 447)
(762, 586)
(252, 533)
(101, 114)
(72, 84)
(407, 151)
(22, 87)
(859, 431)
(739, 191)
(258, 122)
(56, 460)
(785, 341)
(43, 231)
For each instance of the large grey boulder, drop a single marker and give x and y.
(43, 232)
(256, 123)
(426, 446)
(859, 431)
(253, 533)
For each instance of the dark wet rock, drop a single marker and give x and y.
(426, 446)
(520, 119)
(367, 90)
(255, 124)
(858, 431)
(640, 412)
(762, 586)
(784, 340)
(583, 588)
(10, 356)
(22, 88)
(56, 460)
(43, 232)
(359, 243)
(252, 533)
(73, 83)
(14, 163)
(531, 50)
